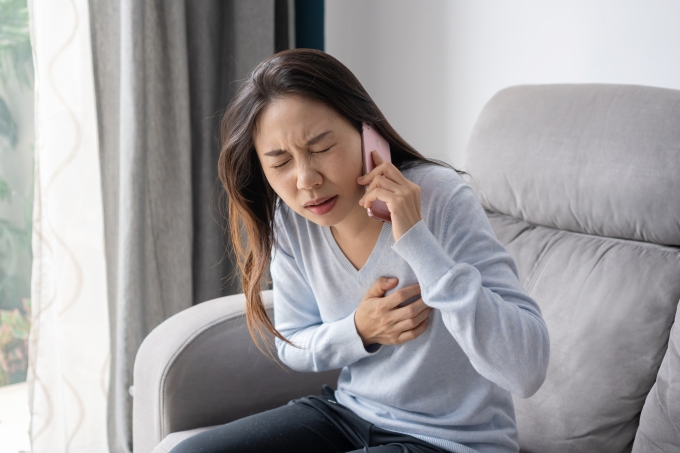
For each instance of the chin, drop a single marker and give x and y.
(334, 217)
(325, 221)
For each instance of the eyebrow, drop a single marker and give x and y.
(310, 142)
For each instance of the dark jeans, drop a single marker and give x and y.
(314, 424)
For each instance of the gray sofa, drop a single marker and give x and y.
(582, 184)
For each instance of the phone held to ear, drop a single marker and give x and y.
(371, 140)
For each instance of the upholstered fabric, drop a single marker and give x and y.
(581, 185)
(200, 368)
(659, 429)
(452, 385)
(173, 439)
(609, 305)
(597, 159)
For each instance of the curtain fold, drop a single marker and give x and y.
(225, 40)
(142, 91)
(145, 238)
(69, 337)
(164, 71)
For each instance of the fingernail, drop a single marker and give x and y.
(391, 279)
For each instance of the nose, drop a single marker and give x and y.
(307, 176)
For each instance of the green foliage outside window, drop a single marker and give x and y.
(16, 74)
(14, 327)
(16, 56)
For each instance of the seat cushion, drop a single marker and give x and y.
(173, 439)
(609, 305)
(659, 429)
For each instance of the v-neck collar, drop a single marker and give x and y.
(373, 259)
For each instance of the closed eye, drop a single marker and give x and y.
(313, 152)
(281, 165)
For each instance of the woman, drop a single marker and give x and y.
(432, 375)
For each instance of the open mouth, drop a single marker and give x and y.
(323, 207)
(320, 203)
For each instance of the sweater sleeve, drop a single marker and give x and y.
(318, 345)
(472, 279)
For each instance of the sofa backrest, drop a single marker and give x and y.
(582, 185)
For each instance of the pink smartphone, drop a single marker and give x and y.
(371, 140)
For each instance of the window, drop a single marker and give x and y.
(16, 200)
(16, 192)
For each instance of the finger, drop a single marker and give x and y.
(403, 294)
(413, 333)
(377, 158)
(412, 323)
(382, 182)
(380, 286)
(412, 309)
(388, 282)
(385, 183)
(386, 169)
(378, 194)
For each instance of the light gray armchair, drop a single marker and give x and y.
(582, 184)
(200, 368)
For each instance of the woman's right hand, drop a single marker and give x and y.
(379, 319)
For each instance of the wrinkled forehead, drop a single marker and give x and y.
(292, 121)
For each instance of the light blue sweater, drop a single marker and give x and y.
(486, 339)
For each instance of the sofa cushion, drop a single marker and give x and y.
(659, 429)
(596, 159)
(173, 439)
(609, 305)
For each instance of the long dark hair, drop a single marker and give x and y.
(251, 202)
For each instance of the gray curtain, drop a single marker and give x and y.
(225, 41)
(164, 71)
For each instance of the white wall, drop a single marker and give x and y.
(431, 66)
(396, 50)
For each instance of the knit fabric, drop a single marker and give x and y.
(486, 338)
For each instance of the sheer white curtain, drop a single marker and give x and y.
(69, 341)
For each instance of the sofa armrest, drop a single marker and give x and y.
(201, 368)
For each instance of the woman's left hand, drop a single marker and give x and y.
(386, 183)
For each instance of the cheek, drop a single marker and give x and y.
(347, 165)
(282, 183)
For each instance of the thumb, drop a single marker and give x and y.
(387, 283)
(380, 286)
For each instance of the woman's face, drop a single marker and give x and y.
(311, 156)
